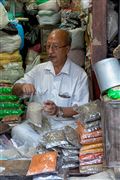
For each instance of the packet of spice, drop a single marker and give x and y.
(71, 136)
(89, 112)
(54, 138)
(43, 163)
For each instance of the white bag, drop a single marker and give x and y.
(3, 16)
(12, 42)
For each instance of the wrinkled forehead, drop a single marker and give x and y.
(57, 37)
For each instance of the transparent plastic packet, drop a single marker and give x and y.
(93, 134)
(68, 159)
(91, 146)
(6, 112)
(71, 136)
(43, 163)
(89, 157)
(68, 146)
(89, 112)
(93, 161)
(4, 98)
(34, 113)
(10, 105)
(91, 169)
(70, 165)
(69, 152)
(92, 126)
(91, 141)
(54, 138)
(5, 90)
(46, 127)
(91, 151)
(48, 177)
(88, 137)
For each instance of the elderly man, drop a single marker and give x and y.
(58, 84)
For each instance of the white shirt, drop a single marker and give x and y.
(66, 89)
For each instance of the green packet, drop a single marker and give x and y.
(113, 93)
(8, 112)
(11, 105)
(4, 98)
(5, 90)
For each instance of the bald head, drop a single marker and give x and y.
(62, 35)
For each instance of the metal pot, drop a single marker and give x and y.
(107, 72)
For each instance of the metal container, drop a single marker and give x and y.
(107, 72)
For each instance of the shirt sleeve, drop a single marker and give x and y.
(28, 77)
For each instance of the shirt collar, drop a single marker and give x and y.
(65, 69)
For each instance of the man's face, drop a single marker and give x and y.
(57, 48)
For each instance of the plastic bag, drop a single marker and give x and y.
(91, 141)
(5, 112)
(11, 105)
(42, 163)
(98, 160)
(91, 169)
(91, 146)
(113, 93)
(71, 136)
(5, 90)
(4, 98)
(33, 36)
(112, 22)
(89, 112)
(3, 16)
(54, 138)
(91, 151)
(34, 113)
(92, 156)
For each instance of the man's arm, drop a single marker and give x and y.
(52, 109)
(20, 89)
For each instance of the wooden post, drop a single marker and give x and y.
(99, 43)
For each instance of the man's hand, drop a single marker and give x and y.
(28, 89)
(23, 89)
(50, 108)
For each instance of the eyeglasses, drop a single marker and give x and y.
(54, 47)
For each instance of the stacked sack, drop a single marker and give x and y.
(10, 58)
(48, 12)
(90, 133)
(11, 107)
(71, 20)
